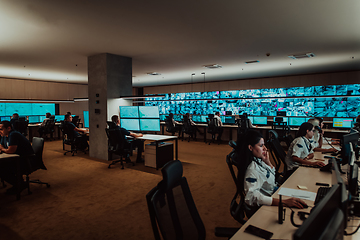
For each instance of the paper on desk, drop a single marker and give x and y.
(297, 193)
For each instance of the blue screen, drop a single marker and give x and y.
(230, 119)
(285, 119)
(129, 112)
(150, 125)
(343, 122)
(23, 109)
(5, 118)
(34, 119)
(296, 121)
(148, 112)
(2, 109)
(260, 120)
(42, 118)
(86, 119)
(59, 118)
(130, 124)
(43, 108)
(162, 117)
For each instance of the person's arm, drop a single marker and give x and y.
(252, 186)
(10, 149)
(290, 202)
(136, 135)
(307, 162)
(79, 130)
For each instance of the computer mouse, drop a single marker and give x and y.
(304, 205)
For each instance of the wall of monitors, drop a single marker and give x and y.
(26, 109)
(140, 118)
(320, 101)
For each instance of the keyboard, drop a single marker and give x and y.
(310, 166)
(321, 192)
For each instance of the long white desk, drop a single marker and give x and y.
(161, 138)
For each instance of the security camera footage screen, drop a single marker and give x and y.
(294, 102)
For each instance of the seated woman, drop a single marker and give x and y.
(318, 138)
(301, 149)
(259, 178)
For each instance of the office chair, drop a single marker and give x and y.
(213, 129)
(76, 121)
(188, 129)
(118, 145)
(34, 162)
(170, 127)
(111, 125)
(172, 210)
(68, 138)
(278, 154)
(282, 129)
(21, 125)
(49, 128)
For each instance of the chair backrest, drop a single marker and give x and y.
(66, 129)
(172, 210)
(50, 124)
(111, 125)
(169, 124)
(116, 139)
(37, 161)
(276, 151)
(187, 128)
(76, 121)
(212, 124)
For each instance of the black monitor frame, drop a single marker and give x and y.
(345, 149)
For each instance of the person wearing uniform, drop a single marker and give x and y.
(317, 139)
(219, 128)
(301, 149)
(12, 142)
(80, 139)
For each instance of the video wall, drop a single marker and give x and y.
(26, 109)
(140, 118)
(319, 101)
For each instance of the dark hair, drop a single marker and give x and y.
(303, 129)
(48, 115)
(320, 120)
(114, 118)
(171, 115)
(67, 116)
(68, 113)
(6, 124)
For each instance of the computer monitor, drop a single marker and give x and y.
(34, 119)
(343, 122)
(6, 118)
(148, 112)
(59, 118)
(353, 172)
(130, 124)
(229, 119)
(42, 118)
(150, 125)
(42, 108)
(196, 118)
(86, 119)
(322, 217)
(203, 118)
(345, 147)
(296, 121)
(281, 113)
(260, 121)
(129, 111)
(284, 119)
(228, 112)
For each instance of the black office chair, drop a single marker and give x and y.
(188, 129)
(170, 128)
(21, 125)
(213, 128)
(172, 210)
(76, 121)
(34, 162)
(118, 145)
(278, 154)
(111, 125)
(68, 138)
(282, 129)
(49, 128)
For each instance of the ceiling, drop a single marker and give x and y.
(51, 40)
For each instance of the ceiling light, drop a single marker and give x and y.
(254, 61)
(154, 73)
(212, 66)
(301, 55)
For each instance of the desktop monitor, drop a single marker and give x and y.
(149, 112)
(162, 117)
(343, 122)
(281, 113)
(321, 218)
(345, 147)
(229, 119)
(296, 121)
(150, 125)
(203, 118)
(353, 172)
(86, 119)
(20, 108)
(6, 118)
(260, 120)
(280, 119)
(228, 112)
(43, 108)
(42, 118)
(59, 118)
(34, 119)
(130, 124)
(129, 111)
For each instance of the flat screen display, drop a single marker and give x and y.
(34, 119)
(260, 120)
(6, 118)
(2, 109)
(59, 118)
(129, 111)
(296, 121)
(130, 124)
(148, 112)
(284, 119)
(86, 119)
(150, 125)
(23, 109)
(42, 118)
(343, 122)
(42, 108)
(229, 119)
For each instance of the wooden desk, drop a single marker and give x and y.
(161, 138)
(267, 216)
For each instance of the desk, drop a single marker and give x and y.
(267, 216)
(4, 157)
(35, 126)
(161, 138)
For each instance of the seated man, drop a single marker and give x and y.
(219, 128)
(80, 139)
(43, 124)
(14, 118)
(12, 142)
(136, 142)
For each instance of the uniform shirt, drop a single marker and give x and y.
(123, 131)
(301, 147)
(219, 122)
(259, 183)
(17, 139)
(44, 122)
(71, 127)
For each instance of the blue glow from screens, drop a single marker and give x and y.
(150, 125)
(343, 122)
(260, 120)
(251, 118)
(229, 119)
(27, 109)
(43, 108)
(178, 118)
(130, 124)
(162, 117)
(59, 118)
(296, 121)
(42, 118)
(5, 118)
(2, 109)
(34, 119)
(148, 112)
(86, 118)
(129, 111)
(23, 109)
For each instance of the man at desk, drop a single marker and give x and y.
(14, 118)
(43, 124)
(219, 128)
(80, 139)
(136, 142)
(12, 142)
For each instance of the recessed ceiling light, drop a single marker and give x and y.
(154, 73)
(212, 66)
(302, 55)
(254, 61)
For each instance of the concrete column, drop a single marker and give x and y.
(109, 77)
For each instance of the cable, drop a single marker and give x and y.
(300, 214)
(329, 143)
